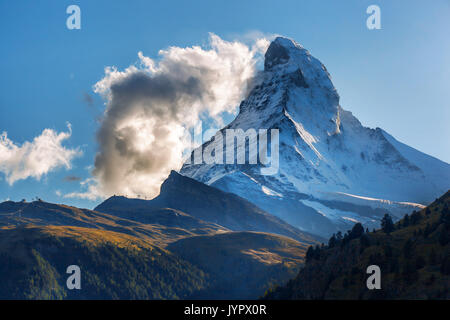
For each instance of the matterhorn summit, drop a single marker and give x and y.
(332, 171)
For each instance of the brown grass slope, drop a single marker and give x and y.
(159, 226)
(241, 265)
(113, 265)
(38, 240)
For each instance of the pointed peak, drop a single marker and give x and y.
(176, 179)
(279, 52)
(286, 42)
(174, 176)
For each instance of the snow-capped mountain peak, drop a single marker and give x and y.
(285, 56)
(331, 167)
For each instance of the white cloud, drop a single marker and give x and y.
(92, 191)
(37, 158)
(150, 106)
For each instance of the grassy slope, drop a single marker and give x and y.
(242, 265)
(113, 265)
(224, 265)
(39, 240)
(414, 262)
(159, 227)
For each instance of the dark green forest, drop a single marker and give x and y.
(413, 255)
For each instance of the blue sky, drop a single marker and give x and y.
(396, 78)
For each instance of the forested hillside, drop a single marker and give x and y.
(413, 255)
